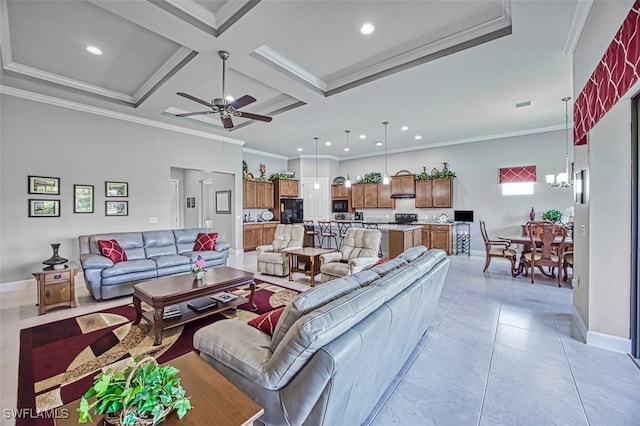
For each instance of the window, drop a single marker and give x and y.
(517, 188)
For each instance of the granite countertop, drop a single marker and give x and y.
(259, 223)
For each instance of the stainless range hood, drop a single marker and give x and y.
(403, 195)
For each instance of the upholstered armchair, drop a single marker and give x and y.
(359, 250)
(271, 258)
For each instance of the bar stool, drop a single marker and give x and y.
(342, 231)
(326, 232)
(310, 229)
(373, 225)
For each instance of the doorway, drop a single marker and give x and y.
(174, 208)
(316, 201)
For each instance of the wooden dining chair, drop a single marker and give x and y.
(547, 249)
(311, 232)
(567, 262)
(326, 233)
(497, 248)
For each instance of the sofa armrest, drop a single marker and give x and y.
(238, 346)
(95, 261)
(221, 246)
(264, 249)
(330, 257)
(359, 263)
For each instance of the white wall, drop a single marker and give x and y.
(476, 185)
(602, 299)
(83, 148)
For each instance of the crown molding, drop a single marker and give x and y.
(197, 11)
(577, 25)
(274, 58)
(19, 93)
(264, 154)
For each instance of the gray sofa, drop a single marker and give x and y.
(337, 347)
(150, 254)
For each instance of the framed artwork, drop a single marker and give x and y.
(83, 198)
(223, 202)
(44, 208)
(191, 202)
(116, 208)
(116, 189)
(44, 185)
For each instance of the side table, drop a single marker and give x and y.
(56, 287)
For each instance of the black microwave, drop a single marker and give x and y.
(340, 206)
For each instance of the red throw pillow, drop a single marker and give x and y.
(379, 262)
(267, 321)
(112, 250)
(205, 241)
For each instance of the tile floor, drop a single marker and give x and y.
(500, 351)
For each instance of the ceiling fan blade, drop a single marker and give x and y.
(189, 114)
(227, 123)
(193, 98)
(254, 116)
(243, 101)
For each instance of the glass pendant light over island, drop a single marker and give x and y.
(385, 179)
(316, 184)
(347, 183)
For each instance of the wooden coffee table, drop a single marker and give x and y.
(215, 400)
(180, 289)
(311, 258)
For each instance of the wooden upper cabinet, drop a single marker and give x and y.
(423, 194)
(340, 192)
(434, 193)
(357, 196)
(442, 192)
(286, 188)
(264, 195)
(370, 195)
(403, 185)
(249, 195)
(384, 197)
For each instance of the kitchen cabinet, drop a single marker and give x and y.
(257, 195)
(370, 195)
(258, 234)
(384, 197)
(403, 185)
(434, 193)
(403, 239)
(437, 236)
(357, 196)
(286, 188)
(340, 192)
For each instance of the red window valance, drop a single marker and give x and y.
(517, 174)
(616, 72)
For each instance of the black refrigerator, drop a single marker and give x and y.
(291, 210)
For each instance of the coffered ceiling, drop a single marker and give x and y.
(451, 71)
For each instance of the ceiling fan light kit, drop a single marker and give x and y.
(222, 106)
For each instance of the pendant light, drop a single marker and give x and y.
(347, 183)
(562, 180)
(316, 185)
(385, 179)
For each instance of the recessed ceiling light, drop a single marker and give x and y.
(299, 149)
(417, 137)
(363, 136)
(328, 143)
(404, 128)
(367, 28)
(346, 149)
(229, 98)
(94, 50)
(378, 143)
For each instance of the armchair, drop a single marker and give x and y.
(271, 258)
(359, 250)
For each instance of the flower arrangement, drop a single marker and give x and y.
(553, 215)
(198, 270)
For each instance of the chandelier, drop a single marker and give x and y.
(562, 180)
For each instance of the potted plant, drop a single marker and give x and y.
(552, 215)
(142, 394)
(373, 177)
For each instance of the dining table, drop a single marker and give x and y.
(525, 242)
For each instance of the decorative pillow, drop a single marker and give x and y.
(205, 241)
(267, 321)
(112, 250)
(378, 262)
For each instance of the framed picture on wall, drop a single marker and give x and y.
(44, 185)
(44, 208)
(223, 202)
(116, 189)
(83, 198)
(116, 208)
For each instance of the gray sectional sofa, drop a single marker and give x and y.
(150, 254)
(337, 347)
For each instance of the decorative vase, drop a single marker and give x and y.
(55, 261)
(532, 214)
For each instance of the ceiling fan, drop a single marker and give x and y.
(221, 106)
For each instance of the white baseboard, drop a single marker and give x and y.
(236, 252)
(16, 285)
(600, 340)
